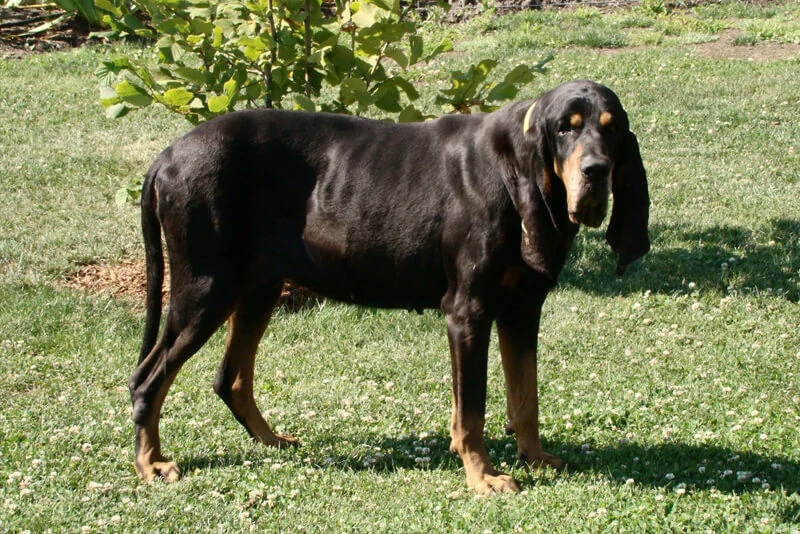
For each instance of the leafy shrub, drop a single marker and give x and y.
(216, 56)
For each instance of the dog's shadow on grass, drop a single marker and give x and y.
(718, 258)
(670, 465)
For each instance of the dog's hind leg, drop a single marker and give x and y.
(234, 380)
(197, 309)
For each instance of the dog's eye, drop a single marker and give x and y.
(565, 128)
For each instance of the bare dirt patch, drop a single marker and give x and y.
(26, 30)
(724, 48)
(127, 281)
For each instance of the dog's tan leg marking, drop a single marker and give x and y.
(234, 382)
(468, 349)
(522, 398)
(149, 462)
(467, 441)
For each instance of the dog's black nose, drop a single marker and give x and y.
(595, 168)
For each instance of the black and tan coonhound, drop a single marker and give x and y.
(471, 214)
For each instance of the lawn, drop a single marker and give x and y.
(672, 393)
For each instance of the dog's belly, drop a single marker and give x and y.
(391, 268)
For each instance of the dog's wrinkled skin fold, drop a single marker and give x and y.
(472, 214)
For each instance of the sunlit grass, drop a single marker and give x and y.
(672, 393)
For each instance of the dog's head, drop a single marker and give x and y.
(583, 152)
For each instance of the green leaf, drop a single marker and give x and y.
(502, 91)
(105, 5)
(254, 91)
(519, 75)
(117, 110)
(445, 46)
(108, 96)
(133, 23)
(397, 55)
(107, 71)
(351, 90)
(380, 32)
(218, 104)
(231, 88)
(410, 114)
(387, 97)
(145, 76)
(178, 97)
(485, 67)
(416, 45)
(133, 94)
(339, 59)
(367, 14)
(392, 6)
(217, 41)
(407, 87)
(122, 196)
(253, 47)
(304, 103)
(190, 74)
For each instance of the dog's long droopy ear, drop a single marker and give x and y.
(530, 190)
(627, 230)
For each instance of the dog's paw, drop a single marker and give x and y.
(541, 460)
(283, 442)
(168, 471)
(488, 484)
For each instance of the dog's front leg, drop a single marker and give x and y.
(468, 332)
(517, 331)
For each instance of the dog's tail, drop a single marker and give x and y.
(154, 257)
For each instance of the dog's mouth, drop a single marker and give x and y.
(588, 182)
(590, 205)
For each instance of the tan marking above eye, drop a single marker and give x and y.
(576, 120)
(606, 119)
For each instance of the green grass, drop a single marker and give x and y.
(582, 27)
(673, 393)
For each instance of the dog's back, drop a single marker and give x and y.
(358, 210)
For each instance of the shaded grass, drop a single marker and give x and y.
(672, 393)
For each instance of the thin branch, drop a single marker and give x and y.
(272, 55)
(307, 35)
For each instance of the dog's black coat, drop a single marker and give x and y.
(472, 214)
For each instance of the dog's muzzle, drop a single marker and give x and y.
(592, 188)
